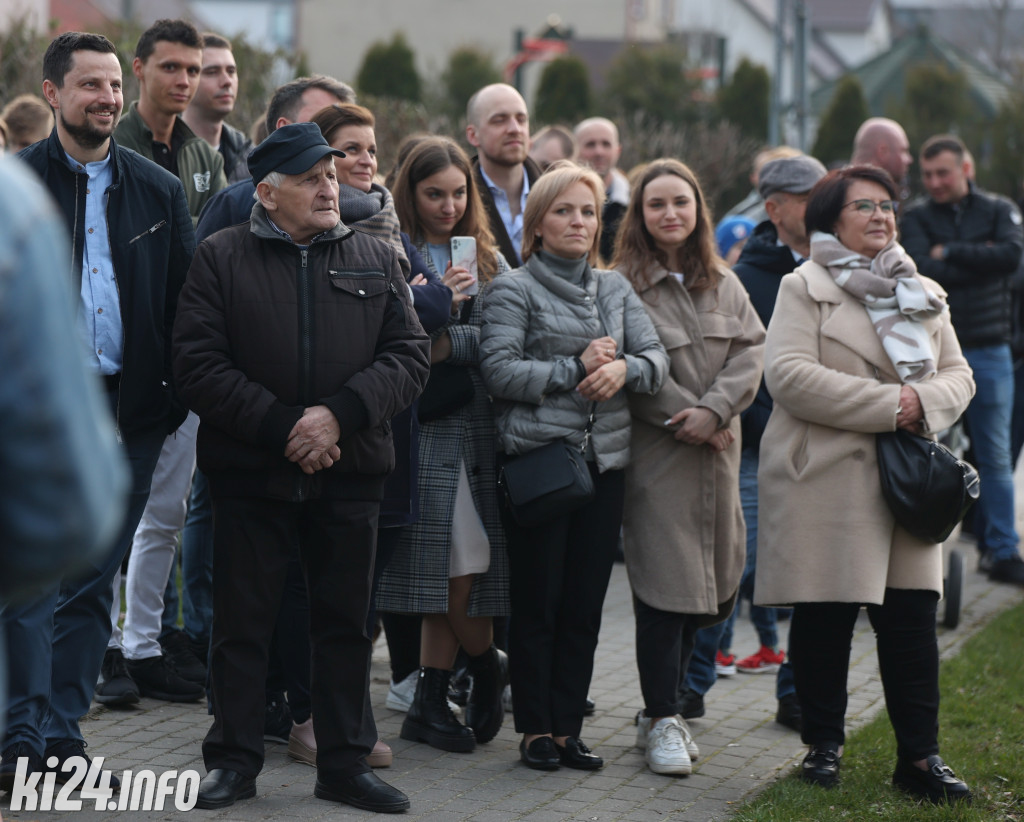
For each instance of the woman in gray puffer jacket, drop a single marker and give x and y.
(559, 338)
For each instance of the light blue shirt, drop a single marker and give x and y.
(440, 256)
(100, 309)
(514, 226)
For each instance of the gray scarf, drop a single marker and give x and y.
(373, 213)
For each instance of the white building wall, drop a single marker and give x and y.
(36, 12)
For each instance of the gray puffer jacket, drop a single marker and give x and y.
(534, 324)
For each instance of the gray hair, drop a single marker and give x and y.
(273, 179)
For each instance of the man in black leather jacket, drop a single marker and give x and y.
(970, 242)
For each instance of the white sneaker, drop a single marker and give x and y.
(401, 694)
(667, 749)
(643, 730)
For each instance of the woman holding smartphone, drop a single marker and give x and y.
(561, 344)
(683, 524)
(450, 566)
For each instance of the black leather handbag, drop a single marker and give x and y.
(927, 487)
(549, 481)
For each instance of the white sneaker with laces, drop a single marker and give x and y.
(643, 730)
(666, 748)
(401, 694)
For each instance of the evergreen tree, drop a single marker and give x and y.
(840, 121)
(563, 93)
(744, 100)
(935, 102)
(389, 70)
(468, 70)
(653, 81)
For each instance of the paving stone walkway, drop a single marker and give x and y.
(742, 747)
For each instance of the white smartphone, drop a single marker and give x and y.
(464, 256)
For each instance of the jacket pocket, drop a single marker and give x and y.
(363, 284)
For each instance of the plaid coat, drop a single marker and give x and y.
(416, 579)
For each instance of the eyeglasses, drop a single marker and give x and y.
(866, 208)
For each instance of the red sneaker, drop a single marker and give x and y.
(725, 664)
(765, 661)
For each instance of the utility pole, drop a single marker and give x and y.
(801, 32)
(775, 110)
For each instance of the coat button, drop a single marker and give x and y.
(362, 293)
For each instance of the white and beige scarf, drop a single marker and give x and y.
(895, 298)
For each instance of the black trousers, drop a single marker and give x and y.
(336, 541)
(820, 639)
(559, 575)
(664, 645)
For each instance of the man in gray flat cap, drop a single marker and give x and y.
(775, 248)
(295, 343)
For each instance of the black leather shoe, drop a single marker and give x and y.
(577, 755)
(821, 765)
(938, 784)
(221, 787)
(541, 754)
(365, 790)
(589, 707)
(484, 712)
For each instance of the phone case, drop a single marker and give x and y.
(464, 256)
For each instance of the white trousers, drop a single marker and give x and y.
(154, 547)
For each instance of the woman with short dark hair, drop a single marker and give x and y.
(859, 344)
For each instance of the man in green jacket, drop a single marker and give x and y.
(142, 658)
(168, 62)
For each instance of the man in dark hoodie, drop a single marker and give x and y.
(775, 248)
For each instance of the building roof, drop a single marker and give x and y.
(883, 77)
(844, 15)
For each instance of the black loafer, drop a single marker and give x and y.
(938, 784)
(539, 754)
(222, 787)
(577, 755)
(821, 765)
(364, 790)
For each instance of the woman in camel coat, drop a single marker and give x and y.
(683, 525)
(859, 343)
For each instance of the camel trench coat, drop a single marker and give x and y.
(825, 532)
(683, 523)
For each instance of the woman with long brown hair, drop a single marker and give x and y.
(450, 565)
(683, 523)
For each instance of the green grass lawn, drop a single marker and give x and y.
(981, 733)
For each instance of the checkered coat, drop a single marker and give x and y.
(416, 579)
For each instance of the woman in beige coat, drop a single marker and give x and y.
(684, 531)
(859, 343)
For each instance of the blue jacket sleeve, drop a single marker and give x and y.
(433, 299)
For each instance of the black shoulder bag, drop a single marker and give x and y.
(928, 488)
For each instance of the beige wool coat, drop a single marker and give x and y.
(825, 533)
(683, 523)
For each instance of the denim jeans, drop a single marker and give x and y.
(196, 557)
(989, 418)
(59, 638)
(763, 618)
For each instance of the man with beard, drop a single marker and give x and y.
(132, 246)
(498, 124)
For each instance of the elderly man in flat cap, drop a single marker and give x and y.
(295, 343)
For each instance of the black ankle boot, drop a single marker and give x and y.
(430, 719)
(484, 711)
